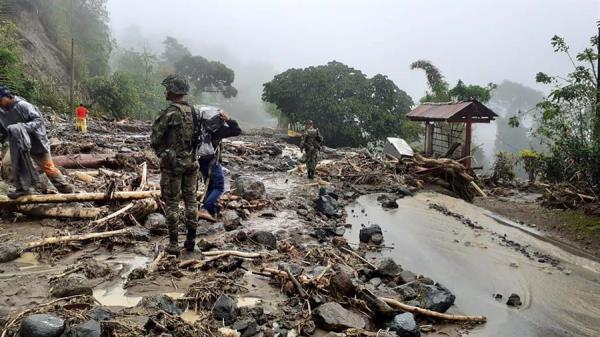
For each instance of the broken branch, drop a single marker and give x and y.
(430, 313)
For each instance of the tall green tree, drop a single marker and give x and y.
(207, 76)
(349, 108)
(174, 51)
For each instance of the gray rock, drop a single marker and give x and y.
(375, 282)
(340, 231)
(407, 276)
(404, 325)
(295, 269)
(42, 325)
(139, 233)
(249, 188)
(387, 267)
(367, 233)
(332, 316)
(265, 238)
(514, 300)
(89, 328)
(225, 309)
(341, 284)
(71, 285)
(327, 205)
(160, 302)
(156, 223)
(246, 327)
(377, 239)
(437, 298)
(407, 292)
(9, 252)
(388, 201)
(100, 314)
(302, 212)
(231, 220)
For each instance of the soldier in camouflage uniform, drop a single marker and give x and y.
(173, 141)
(311, 144)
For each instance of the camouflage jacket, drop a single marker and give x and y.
(172, 136)
(311, 139)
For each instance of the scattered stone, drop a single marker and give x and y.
(328, 190)
(407, 292)
(437, 298)
(366, 234)
(407, 276)
(514, 265)
(387, 267)
(332, 316)
(294, 268)
(156, 223)
(71, 285)
(377, 239)
(225, 309)
(514, 300)
(375, 282)
(340, 231)
(264, 238)
(137, 274)
(388, 201)
(249, 188)
(231, 220)
(89, 328)
(100, 314)
(9, 252)
(139, 233)
(302, 212)
(498, 297)
(42, 325)
(160, 302)
(246, 327)
(404, 325)
(341, 284)
(326, 205)
(205, 245)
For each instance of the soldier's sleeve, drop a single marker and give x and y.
(33, 117)
(319, 137)
(158, 133)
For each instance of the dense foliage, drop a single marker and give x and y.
(569, 118)
(349, 108)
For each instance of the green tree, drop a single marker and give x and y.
(207, 76)
(349, 108)
(116, 94)
(462, 92)
(174, 51)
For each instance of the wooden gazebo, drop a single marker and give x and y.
(449, 125)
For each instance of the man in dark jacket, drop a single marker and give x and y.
(21, 121)
(214, 129)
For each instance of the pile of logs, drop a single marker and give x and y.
(565, 196)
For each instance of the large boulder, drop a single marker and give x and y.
(225, 309)
(327, 205)
(249, 188)
(71, 285)
(89, 328)
(264, 238)
(100, 314)
(332, 316)
(160, 302)
(9, 252)
(231, 220)
(387, 267)
(42, 325)
(437, 297)
(404, 325)
(366, 234)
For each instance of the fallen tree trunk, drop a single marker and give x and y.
(70, 238)
(430, 313)
(77, 197)
(91, 161)
(60, 211)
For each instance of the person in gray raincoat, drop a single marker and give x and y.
(21, 123)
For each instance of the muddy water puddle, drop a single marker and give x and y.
(113, 293)
(474, 265)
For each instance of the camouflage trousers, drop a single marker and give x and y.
(175, 184)
(312, 158)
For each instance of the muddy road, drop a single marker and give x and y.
(475, 264)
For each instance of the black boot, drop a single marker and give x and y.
(18, 193)
(173, 247)
(190, 240)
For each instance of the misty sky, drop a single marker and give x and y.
(479, 41)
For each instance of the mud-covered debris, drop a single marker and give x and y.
(264, 238)
(160, 302)
(249, 188)
(366, 234)
(137, 274)
(96, 269)
(404, 325)
(225, 309)
(388, 201)
(9, 252)
(407, 292)
(156, 223)
(71, 285)
(89, 328)
(139, 233)
(341, 285)
(42, 325)
(406, 276)
(388, 267)
(246, 327)
(514, 300)
(205, 245)
(330, 191)
(437, 297)
(332, 316)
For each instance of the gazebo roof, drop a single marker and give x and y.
(453, 112)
